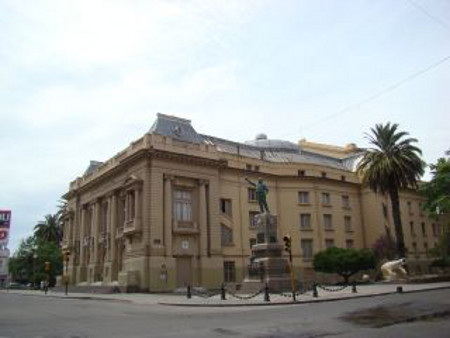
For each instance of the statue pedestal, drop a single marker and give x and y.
(267, 266)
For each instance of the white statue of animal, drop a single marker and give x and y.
(394, 269)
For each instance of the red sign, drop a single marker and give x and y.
(3, 236)
(5, 218)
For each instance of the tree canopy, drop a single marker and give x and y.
(393, 163)
(344, 262)
(27, 265)
(437, 191)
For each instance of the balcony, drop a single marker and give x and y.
(132, 227)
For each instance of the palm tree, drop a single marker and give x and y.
(393, 163)
(50, 229)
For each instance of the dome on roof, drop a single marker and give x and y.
(261, 136)
(261, 141)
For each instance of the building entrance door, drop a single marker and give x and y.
(184, 271)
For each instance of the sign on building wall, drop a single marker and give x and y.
(5, 218)
(5, 222)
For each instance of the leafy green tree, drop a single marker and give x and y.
(21, 263)
(50, 229)
(392, 164)
(344, 262)
(437, 191)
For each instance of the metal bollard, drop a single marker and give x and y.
(399, 289)
(266, 294)
(315, 293)
(189, 294)
(222, 292)
(354, 287)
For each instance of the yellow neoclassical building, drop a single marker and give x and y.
(174, 208)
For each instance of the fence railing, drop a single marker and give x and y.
(304, 288)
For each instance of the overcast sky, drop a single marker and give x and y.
(80, 80)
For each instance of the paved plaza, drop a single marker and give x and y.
(411, 314)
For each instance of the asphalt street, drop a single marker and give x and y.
(422, 314)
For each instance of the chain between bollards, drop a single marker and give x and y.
(266, 294)
(189, 293)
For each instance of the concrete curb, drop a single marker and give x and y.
(309, 301)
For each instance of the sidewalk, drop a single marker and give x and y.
(215, 301)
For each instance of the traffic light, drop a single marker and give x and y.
(287, 243)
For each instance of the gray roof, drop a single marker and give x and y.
(176, 128)
(92, 166)
(278, 151)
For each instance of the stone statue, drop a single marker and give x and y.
(261, 192)
(393, 270)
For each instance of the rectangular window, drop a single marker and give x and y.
(326, 198)
(252, 219)
(345, 201)
(349, 244)
(252, 242)
(329, 243)
(425, 246)
(227, 235)
(409, 206)
(256, 167)
(348, 223)
(183, 205)
(303, 197)
(225, 206)
(307, 248)
(434, 227)
(324, 174)
(305, 221)
(327, 221)
(251, 193)
(248, 167)
(130, 205)
(411, 229)
(301, 173)
(424, 230)
(229, 272)
(343, 179)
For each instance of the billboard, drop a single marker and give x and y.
(5, 218)
(5, 222)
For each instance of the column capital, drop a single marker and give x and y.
(169, 177)
(203, 182)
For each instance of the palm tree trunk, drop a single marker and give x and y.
(401, 250)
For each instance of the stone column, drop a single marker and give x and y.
(82, 230)
(82, 261)
(168, 214)
(113, 230)
(97, 214)
(203, 218)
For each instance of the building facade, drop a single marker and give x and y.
(174, 208)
